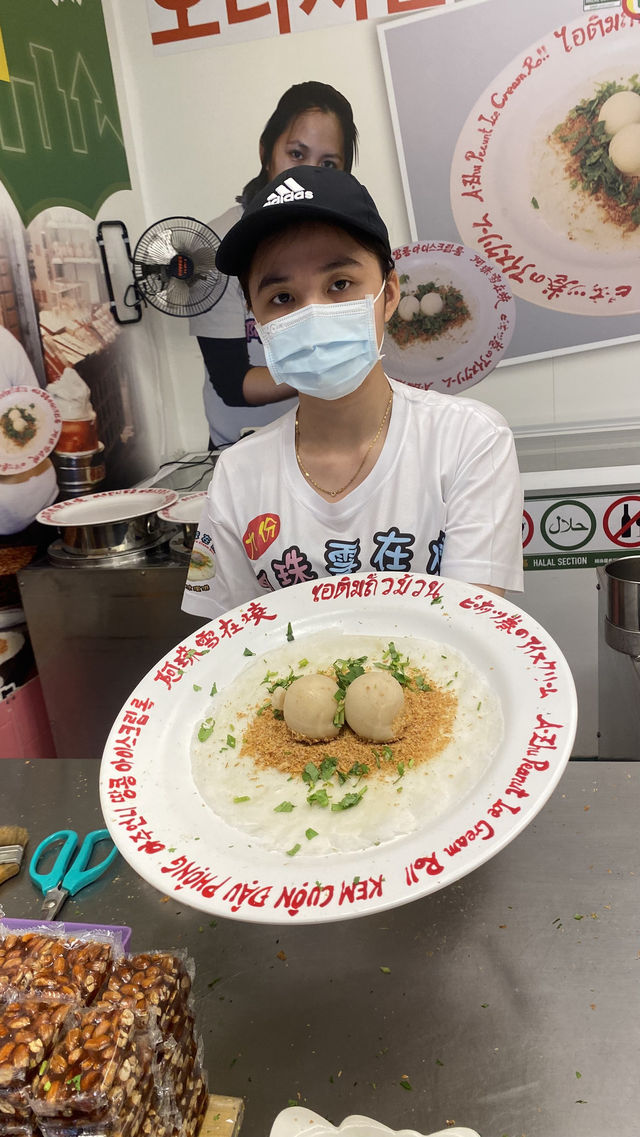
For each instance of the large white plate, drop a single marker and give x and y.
(104, 508)
(173, 839)
(464, 355)
(186, 510)
(296, 1121)
(16, 458)
(563, 254)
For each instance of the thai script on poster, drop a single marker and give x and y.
(186, 25)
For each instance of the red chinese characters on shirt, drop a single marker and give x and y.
(260, 533)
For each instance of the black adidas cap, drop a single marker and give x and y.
(300, 194)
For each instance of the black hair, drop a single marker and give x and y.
(366, 241)
(298, 99)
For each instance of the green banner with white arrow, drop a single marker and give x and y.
(60, 135)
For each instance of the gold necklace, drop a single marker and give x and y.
(335, 493)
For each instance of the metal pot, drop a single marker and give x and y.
(80, 473)
(622, 620)
(106, 538)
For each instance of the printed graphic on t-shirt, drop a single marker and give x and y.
(294, 568)
(435, 560)
(202, 565)
(394, 551)
(342, 557)
(260, 533)
(250, 330)
(264, 582)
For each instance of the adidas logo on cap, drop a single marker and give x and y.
(289, 190)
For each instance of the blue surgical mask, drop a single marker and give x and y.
(324, 350)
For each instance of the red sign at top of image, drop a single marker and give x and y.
(192, 19)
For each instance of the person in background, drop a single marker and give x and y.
(367, 473)
(312, 125)
(22, 495)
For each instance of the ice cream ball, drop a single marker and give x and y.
(374, 706)
(619, 110)
(624, 149)
(431, 304)
(408, 307)
(310, 707)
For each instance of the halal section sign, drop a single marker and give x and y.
(580, 532)
(60, 134)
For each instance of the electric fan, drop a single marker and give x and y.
(174, 268)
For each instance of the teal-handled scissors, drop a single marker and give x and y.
(68, 875)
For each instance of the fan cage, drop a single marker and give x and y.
(174, 267)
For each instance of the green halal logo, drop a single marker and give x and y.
(568, 524)
(60, 135)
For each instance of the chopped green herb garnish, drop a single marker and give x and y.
(284, 807)
(534, 202)
(406, 1085)
(319, 797)
(46, 1087)
(421, 683)
(231, 741)
(206, 730)
(310, 834)
(196, 687)
(248, 651)
(292, 852)
(348, 801)
(386, 970)
(328, 766)
(214, 690)
(43, 1066)
(237, 800)
(396, 664)
(311, 774)
(290, 635)
(358, 770)
(303, 663)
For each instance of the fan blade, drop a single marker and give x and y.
(204, 259)
(160, 247)
(177, 293)
(188, 238)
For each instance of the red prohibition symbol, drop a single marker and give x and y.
(619, 520)
(527, 528)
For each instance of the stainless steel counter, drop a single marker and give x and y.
(511, 999)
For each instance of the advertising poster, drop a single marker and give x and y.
(186, 25)
(508, 149)
(62, 156)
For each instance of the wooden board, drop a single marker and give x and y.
(223, 1117)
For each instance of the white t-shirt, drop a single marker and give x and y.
(230, 319)
(16, 369)
(444, 497)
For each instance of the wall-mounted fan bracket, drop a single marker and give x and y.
(134, 306)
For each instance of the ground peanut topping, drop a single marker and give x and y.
(429, 718)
